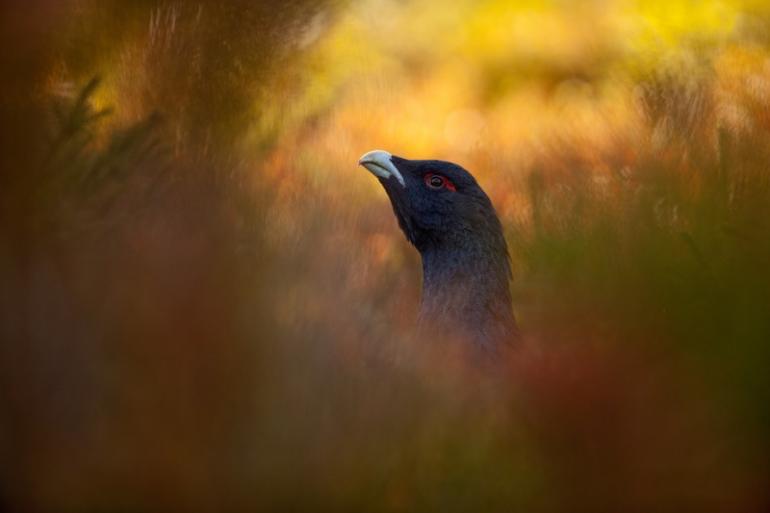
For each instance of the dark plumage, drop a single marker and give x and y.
(450, 220)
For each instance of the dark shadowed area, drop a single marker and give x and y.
(205, 305)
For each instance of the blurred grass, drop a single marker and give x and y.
(207, 306)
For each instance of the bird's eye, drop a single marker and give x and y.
(438, 182)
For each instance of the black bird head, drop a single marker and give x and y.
(443, 211)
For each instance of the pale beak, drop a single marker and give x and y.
(379, 164)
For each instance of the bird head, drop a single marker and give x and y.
(452, 223)
(438, 204)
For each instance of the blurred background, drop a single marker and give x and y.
(205, 305)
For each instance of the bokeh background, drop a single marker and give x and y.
(205, 305)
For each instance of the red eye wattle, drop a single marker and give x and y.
(435, 181)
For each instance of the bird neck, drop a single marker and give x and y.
(466, 294)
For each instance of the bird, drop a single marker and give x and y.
(450, 220)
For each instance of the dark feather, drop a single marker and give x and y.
(466, 267)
